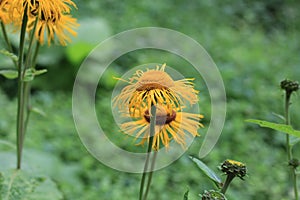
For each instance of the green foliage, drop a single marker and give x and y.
(29, 74)
(17, 185)
(9, 54)
(253, 51)
(278, 127)
(9, 73)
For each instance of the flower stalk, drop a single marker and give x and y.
(150, 174)
(21, 92)
(149, 150)
(290, 87)
(24, 106)
(288, 145)
(228, 180)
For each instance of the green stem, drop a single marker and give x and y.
(30, 62)
(27, 89)
(37, 48)
(7, 41)
(150, 175)
(21, 88)
(152, 132)
(31, 39)
(228, 180)
(288, 145)
(287, 121)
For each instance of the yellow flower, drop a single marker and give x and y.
(40, 8)
(62, 27)
(53, 18)
(4, 16)
(152, 87)
(168, 126)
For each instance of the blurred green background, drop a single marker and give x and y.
(255, 44)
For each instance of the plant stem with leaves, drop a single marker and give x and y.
(23, 65)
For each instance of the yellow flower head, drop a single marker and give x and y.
(40, 8)
(234, 168)
(153, 87)
(169, 125)
(53, 18)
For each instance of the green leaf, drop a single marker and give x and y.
(186, 195)
(294, 141)
(279, 116)
(207, 171)
(9, 73)
(18, 185)
(278, 127)
(39, 72)
(31, 73)
(9, 54)
(38, 111)
(45, 190)
(7, 143)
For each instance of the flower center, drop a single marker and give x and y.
(154, 80)
(162, 117)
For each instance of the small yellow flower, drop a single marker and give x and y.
(168, 126)
(53, 18)
(155, 86)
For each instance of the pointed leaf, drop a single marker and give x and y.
(31, 73)
(9, 73)
(207, 171)
(278, 127)
(294, 141)
(7, 143)
(39, 72)
(38, 111)
(9, 54)
(279, 116)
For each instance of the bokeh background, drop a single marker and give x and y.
(255, 44)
